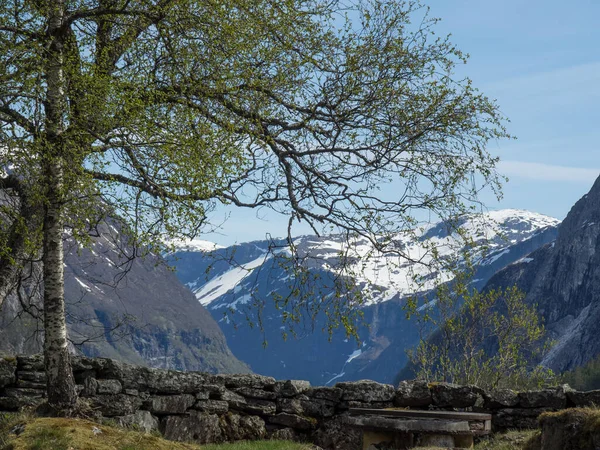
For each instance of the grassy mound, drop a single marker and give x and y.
(19, 432)
(511, 440)
(570, 429)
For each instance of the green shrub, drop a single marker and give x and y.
(586, 377)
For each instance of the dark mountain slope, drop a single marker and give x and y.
(144, 316)
(563, 279)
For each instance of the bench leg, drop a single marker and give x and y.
(436, 440)
(381, 440)
(463, 441)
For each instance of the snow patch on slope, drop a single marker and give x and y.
(227, 282)
(381, 277)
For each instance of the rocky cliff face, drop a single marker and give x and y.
(563, 279)
(135, 311)
(229, 293)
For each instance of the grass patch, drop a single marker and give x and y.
(259, 445)
(65, 434)
(510, 440)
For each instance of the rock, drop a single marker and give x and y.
(290, 406)
(500, 398)
(211, 391)
(202, 395)
(589, 398)
(257, 406)
(171, 404)
(34, 377)
(284, 434)
(234, 400)
(246, 380)
(31, 385)
(445, 395)
(31, 363)
(90, 387)
(291, 388)
(212, 406)
(545, 398)
(261, 394)
(414, 393)
(174, 382)
(293, 421)
(154, 380)
(335, 434)
(24, 393)
(140, 420)
(366, 391)
(108, 387)
(197, 426)
(84, 364)
(517, 418)
(331, 394)
(236, 428)
(18, 403)
(315, 407)
(116, 405)
(344, 405)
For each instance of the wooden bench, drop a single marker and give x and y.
(405, 428)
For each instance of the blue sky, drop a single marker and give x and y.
(541, 61)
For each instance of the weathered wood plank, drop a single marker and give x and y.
(417, 414)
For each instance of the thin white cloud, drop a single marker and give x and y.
(547, 172)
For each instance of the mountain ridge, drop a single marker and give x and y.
(231, 293)
(134, 310)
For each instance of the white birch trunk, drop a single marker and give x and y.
(62, 396)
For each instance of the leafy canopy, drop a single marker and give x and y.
(306, 107)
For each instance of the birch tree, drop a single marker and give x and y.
(161, 110)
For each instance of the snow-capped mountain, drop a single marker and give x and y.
(233, 282)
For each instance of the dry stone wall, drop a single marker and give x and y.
(206, 408)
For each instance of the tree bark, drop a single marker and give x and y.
(62, 395)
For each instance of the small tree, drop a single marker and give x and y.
(490, 339)
(162, 109)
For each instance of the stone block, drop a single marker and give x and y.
(8, 368)
(448, 395)
(31, 363)
(517, 418)
(413, 393)
(293, 421)
(545, 398)
(250, 392)
(109, 387)
(116, 405)
(366, 391)
(212, 406)
(197, 426)
(582, 399)
(248, 428)
(24, 392)
(256, 406)
(500, 398)
(291, 388)
(34, 377)
(170, 404)
(246, 380)
(90, 387)
(140, 420)
(331, 394)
